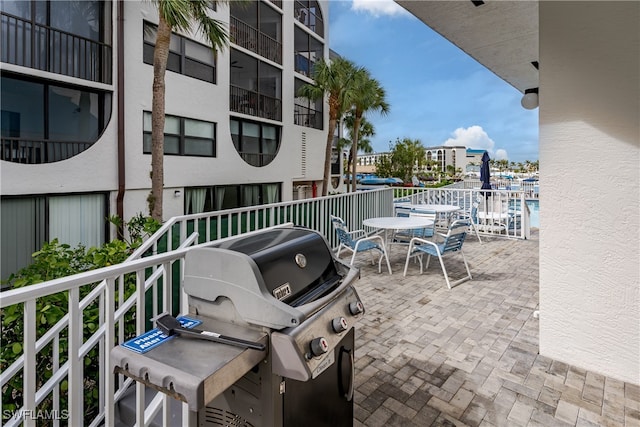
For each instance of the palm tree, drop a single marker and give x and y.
(369, 96)
(451, 170)
(173, 15)
(364, 133)
(335, 80)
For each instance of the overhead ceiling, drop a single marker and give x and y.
(501, 35)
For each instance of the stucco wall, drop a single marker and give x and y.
(590, 196)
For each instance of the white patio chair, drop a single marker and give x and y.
(401, 236)
(357, 241)
(426, 232)
(471, 216)
(452, 243)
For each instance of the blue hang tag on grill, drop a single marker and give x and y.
(153, 338)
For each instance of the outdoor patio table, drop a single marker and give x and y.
(390, 223)
(445, 210)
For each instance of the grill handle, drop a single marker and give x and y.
(311, 307)
(169, 325)
(348, 393)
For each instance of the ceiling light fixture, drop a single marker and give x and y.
(530, 99)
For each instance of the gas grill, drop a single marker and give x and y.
(284, 288)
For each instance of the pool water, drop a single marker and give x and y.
(534, 212)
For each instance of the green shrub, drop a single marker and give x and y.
(53, 261)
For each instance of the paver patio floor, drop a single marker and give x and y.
(429, 356)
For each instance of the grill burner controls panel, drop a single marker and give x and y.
(304, 352)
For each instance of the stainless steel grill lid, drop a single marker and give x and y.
(266, 275)
(293, 263)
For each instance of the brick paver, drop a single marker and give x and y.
(429, 356)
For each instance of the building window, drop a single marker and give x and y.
(72, 38)
(256, 87)
(308, 13)
(307, 112)
(257, 143)
(45, 123)
(28, 222)
(186, 56)
(182, 136)
(220, 197)
(256, 26)
(308, 50)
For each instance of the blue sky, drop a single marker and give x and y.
(437, 93)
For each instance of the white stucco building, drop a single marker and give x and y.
(76, 102)
(582, 58)
(442, 156)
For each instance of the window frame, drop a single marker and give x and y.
(211, 194)
(181, 136)
(304, 42)
(238, 141)
(178, 60)
(303, 107)
(40, 221)
(247, 94)
(23, 145)
(304, 14)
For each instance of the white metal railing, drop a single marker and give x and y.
(67, 377)
(531, 189)
(503, 213)
(127, 295)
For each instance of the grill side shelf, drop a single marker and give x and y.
(192, 371)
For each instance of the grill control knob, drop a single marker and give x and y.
(339, 324)
(356, 308)
(319, 346)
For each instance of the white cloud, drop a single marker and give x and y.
(472, 137)
(501, 154)
(378, 7)
(476, 138)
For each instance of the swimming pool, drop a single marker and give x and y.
(534, 212)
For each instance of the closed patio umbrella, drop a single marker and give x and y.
(485, 177)
(485, 173)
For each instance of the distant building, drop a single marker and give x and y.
(367, 162)
(457, 156)
(446, 155)
(474, 160)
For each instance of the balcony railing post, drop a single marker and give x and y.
(29, 375)
(109, 338)
(167, 287)
(76, 387)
